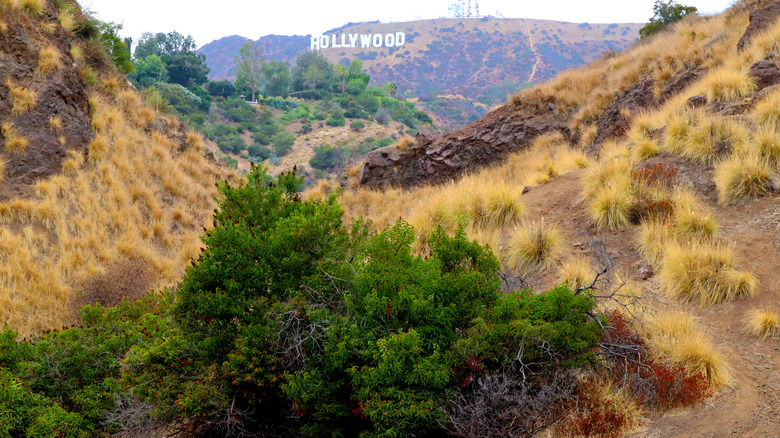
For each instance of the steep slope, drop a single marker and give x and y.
(455, 59)
(680, 196)
(100, 197)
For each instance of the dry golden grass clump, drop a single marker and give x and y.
(15, 143)
(406, 143)
(473, 202)
(644, 149)
(577, 272)
(612, 205)
(2, 170)
(67, 21)
(48, 61)
(763, 322)
(32, 7)
(533, 244)
(23, 98)
(713, 137)
(677, 336)
(741, 178)
(705, 274)
(728, 85)
(766, 145)
(767, 111)
(692, 220)
(55, 123)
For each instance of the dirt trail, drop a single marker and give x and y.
(751, 407)
(533, 50)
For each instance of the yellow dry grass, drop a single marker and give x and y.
(728, 85)
(15, 143)
(704, 273)
(533, 244)
(22, 98)
(120, 206)
(577, 272)
(678, 337)
(611, 205)
(48, 61)
(763, 322)
(32, 7)
(743, 178)
(55, 123)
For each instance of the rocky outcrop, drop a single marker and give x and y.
(449, 155)
(760, 20)
(765, 73)
(61, 93)
(612, 123)
(679, 82)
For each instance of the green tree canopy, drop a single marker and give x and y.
(149, 71)
(312, 71)
(250, 67)
(160, 43)
(665, 13)
(277, 78)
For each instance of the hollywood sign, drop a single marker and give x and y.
(353, 40)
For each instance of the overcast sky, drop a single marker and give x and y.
(207, 20)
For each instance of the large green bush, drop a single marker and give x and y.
(291, 321)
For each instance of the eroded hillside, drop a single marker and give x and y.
(100, 196)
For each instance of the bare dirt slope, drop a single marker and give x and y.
(751, 407)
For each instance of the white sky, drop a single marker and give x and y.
(207, 20)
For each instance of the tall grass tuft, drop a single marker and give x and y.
(533, 244)
(763, 322)
(728, 85)
(705, 274)
(677, 336)
(742, 178)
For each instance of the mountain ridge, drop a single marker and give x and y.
(490, 52)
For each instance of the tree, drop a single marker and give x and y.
(221, 88)
(250, 67)
(312, 72)
(163, 44)
(149, 71)
(665, 13)
(187, 69)
(117, 48)
(277, 78)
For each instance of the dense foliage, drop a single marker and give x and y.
(292, 321)
(665, 13)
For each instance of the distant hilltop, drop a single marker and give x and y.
(457, 60)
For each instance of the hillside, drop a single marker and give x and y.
(495, 56)
(657, 166)
(100, 196)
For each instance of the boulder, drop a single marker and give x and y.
(697, 101)
(765, 73)
(760, 20)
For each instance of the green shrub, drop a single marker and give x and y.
(328, 157)
(357, 125)
(283, 142)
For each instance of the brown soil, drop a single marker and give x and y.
(751, 407)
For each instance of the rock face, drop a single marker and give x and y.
(449, 155)
(760, 20)
(612, 123)
(765, 73)
(61, 94)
